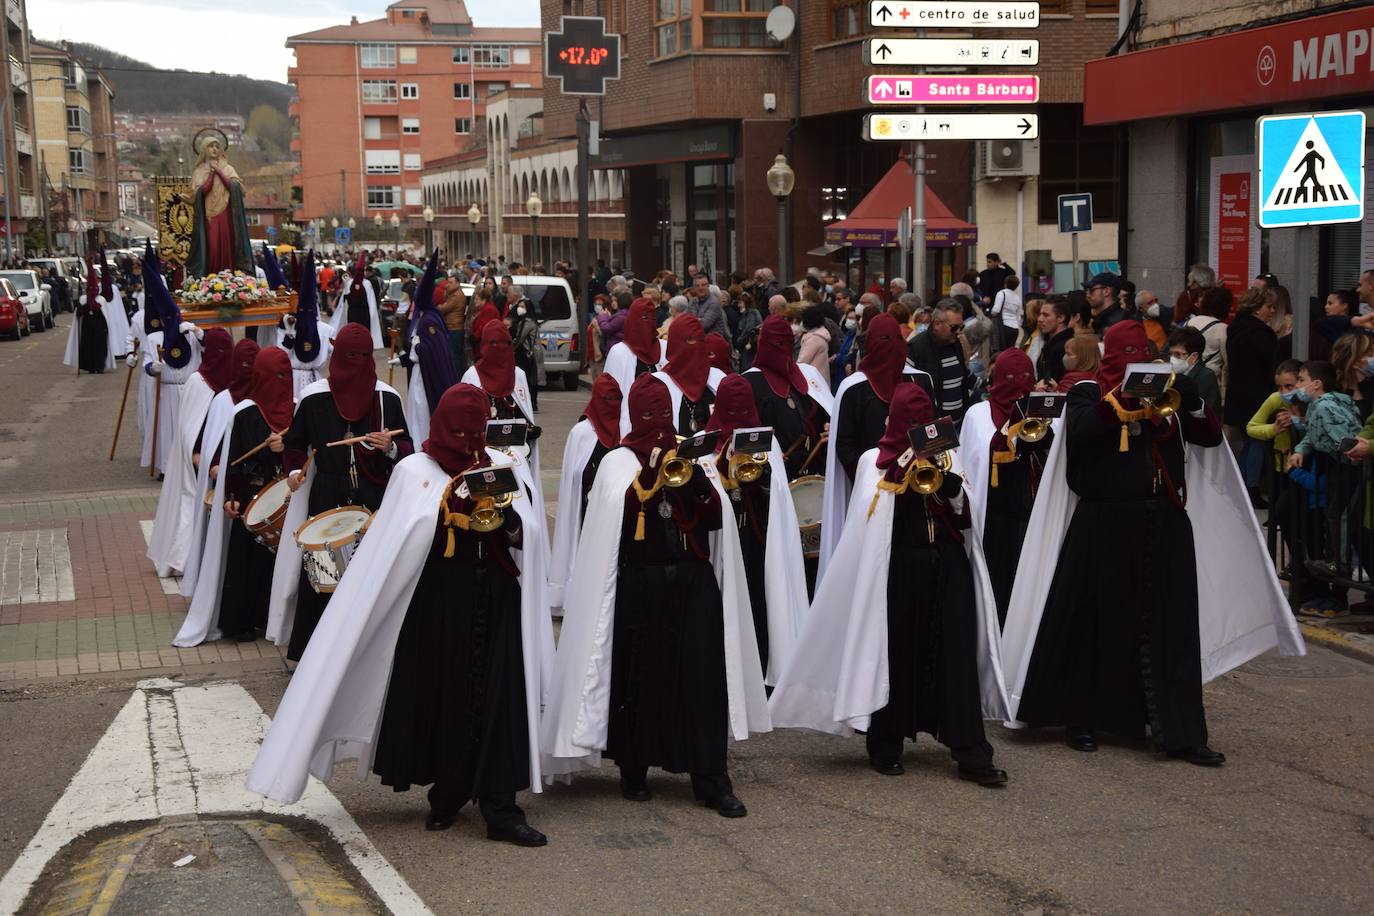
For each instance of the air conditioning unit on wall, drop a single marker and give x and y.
(1008, 158)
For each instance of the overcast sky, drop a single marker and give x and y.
(228, 36)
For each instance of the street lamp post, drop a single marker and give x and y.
(475, 217)
(396, 228)
(781, 180)
(377, 221)
(428, 214)
(534, 206)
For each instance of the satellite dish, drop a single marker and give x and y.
(780, 23)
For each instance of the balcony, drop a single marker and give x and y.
(23, 141)
(18, 76)
(15, 13)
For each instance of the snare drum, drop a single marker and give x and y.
(808, 496)
(327, 542)
(266, 513)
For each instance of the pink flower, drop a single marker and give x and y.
(216, 297)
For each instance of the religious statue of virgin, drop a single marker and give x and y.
(219, 235)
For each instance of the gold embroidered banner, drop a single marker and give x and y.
(175, 219)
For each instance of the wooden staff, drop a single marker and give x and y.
(120, 422)
(356, 439)
(157, 415)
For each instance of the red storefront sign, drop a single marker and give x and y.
(1234, 219)
(1313, 58)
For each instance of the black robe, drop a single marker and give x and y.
(599, 452)
(1118, 646)
(692, 416)
(93, 343)
(668, 705)
(796, 425)
(932, 633)
(1009, 506)
(455, 712)
(358, 310)
(248, 564)
(315, 424)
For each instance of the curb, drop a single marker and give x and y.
(1337, 642)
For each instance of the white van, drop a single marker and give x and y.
(552, 305)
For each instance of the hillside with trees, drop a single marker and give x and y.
(142, 89)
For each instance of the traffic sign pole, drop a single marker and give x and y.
(918, 213)
(1077, 276)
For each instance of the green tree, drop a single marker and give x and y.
(270, 128)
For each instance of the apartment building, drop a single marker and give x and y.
(16, 122)
(376, 100)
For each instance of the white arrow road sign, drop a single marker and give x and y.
(884, 125)
(952, 14)
(952, 52)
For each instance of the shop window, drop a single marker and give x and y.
(1075, 158)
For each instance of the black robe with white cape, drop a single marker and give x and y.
(1242, 611)
(838, 674)
(332, 710)
(577, 718)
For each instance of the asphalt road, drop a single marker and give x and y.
(1286, 826)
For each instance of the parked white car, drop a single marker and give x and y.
(36, 296)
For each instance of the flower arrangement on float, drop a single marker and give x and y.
(228, 292)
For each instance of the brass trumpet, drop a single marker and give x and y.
(1033, 429)
(926, 476)
(747, 468)
(1168, 403)
(675, 471)
(487, 517)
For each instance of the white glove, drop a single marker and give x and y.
(131, 360)
(289, 319)
(394, 361)
(414, 341)
(187, 327)
(155, 367)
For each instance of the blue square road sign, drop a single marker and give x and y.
(1311, 169)
(342, 235)
(1075, 212)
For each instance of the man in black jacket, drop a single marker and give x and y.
(1055, 331)
(939, 353)
(1106, 306)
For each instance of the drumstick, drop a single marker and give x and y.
(823, 439)
(251, 452)
(356, 439)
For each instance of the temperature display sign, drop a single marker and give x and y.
(582, 56)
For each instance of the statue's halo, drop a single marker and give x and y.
(214, 132)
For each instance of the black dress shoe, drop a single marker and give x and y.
(521, 834)
(438, 821)
(988, 776)
(887, 767)
(635, 791)
(728, 806)
(1082, 739)
(1202, 756)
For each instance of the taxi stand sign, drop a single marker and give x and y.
(1311, 168)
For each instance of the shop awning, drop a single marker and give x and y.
(873, 223)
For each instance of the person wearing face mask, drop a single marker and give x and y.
(1003, 470)
(1184, 349)
(1147, 308)
(844, 360)
(431, 661)
(350, 402)
(234, 604)
(657, 663)
(907, 642)
(524, 333)
(1120, 612)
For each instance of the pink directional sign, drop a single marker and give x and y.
(952, 90)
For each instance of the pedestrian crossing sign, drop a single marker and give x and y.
(1311, 169)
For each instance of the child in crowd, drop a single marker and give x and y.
(1185, 346)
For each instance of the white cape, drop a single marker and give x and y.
(137, 343)
(713, 379)
(1242, 611)
(118, 320)
(835, 500)
(373, 317)
(417, 406)
(286, 567)
(168, 402)
(72, 355)
(202, 618)
(838, 675)
(975, 450)
(620, 364)
(577, 718)
(784, 575)
(217, 418)
(567, 524)
(816, 387)
(332, 710)
(179, 503)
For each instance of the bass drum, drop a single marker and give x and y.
(808, 495)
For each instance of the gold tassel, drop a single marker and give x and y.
(639, 524)
(448, 551)
(993, 481)
(873, 505)
(1125, 438)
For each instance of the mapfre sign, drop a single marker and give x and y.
(1313, 58)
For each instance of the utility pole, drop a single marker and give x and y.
(584, 166)
(343, 193)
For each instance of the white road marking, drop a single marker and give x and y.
(171, 585)
(176, 749)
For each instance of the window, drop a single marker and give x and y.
(78, 120)
(253, 219)
(672, 26)
(412, 162)
(410, 90)
(735, 24)
(493, 57)
(410, 125)
(462, 125)
(1076, 158)
(460, 54)
(383, 161)
(413, 197)
(377, 56)
(494, 89)
(520, 57)
(372, 128)
(382, 198)
(379, 92)
(79, 161)
(407, 55)
(76, 76)
(462, 90)
(848, 18)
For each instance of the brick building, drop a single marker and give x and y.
(689, 125)
(378, 99)
(16, 91)
(1187, 93)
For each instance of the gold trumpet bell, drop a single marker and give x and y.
(1168, 403)
(1033, 430)
(675, 472)
(487, 517)
(747, 468)
(927, 476)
